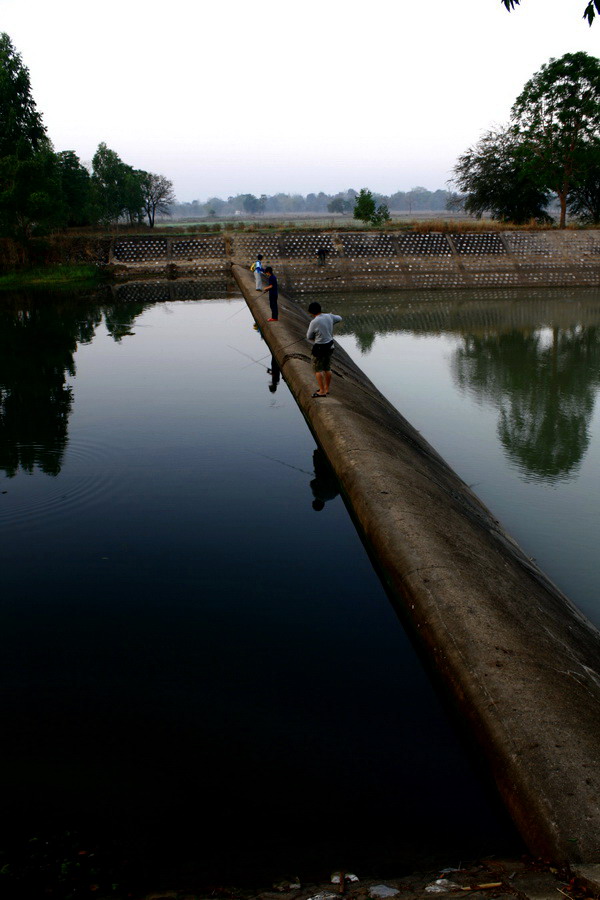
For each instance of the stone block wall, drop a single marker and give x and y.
(322, 262)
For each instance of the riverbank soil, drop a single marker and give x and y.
(488, 879)
(500, 879)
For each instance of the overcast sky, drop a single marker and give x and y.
(228, 97)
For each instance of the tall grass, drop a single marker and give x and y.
(52, 276)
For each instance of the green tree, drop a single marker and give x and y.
(21, 124)
(366, 210)
(589, 13)
(76, 190)
(117, 187)
(546, 149)
(158, 195)
(584, 199)
(29, 179)
(250, 203)
(364, 207)
(381, 215)
(133, 194)
(557, 117)
(498, 176)
(30, 195)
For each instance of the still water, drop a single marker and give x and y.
(505, 386)
(200, 669)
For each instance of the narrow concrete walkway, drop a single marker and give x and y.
(522, 664)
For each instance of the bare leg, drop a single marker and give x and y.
(327, 381)
(321, 382)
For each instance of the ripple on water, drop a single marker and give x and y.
(86, 475)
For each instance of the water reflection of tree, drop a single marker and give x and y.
(36, 355)
(119, 319)
(543, 389)
(365, 338)
(38, 341)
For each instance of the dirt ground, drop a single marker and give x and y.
(489, 879)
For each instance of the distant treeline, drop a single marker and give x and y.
(418, 198)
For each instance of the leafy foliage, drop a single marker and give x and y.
(41, 190)
(557, 116)
(589, 12)
(76, 190)
(584, 199)
(364, 207)
(498, 177)
(30, 194)
(366, 210)
(21, 125)
(546, 149)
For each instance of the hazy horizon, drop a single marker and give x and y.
(225, 100)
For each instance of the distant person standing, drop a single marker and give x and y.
(273, 294)
(258, 272)
(320, 331)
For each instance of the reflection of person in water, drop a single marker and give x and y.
(324, 485)
(275, 373)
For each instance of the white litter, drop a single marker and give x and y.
(348, 876)
(382, 890)
(441, 886)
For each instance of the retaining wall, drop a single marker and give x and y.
(324, 261)
(521, 662)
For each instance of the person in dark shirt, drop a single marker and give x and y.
(273, 294)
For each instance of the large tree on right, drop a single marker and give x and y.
(557, 115)
(550, 147)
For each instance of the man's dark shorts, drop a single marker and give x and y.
(322, 359)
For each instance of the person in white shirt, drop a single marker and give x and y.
(258, 271)
(320, 331)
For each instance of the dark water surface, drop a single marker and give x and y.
(200, 671)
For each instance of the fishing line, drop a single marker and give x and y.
(247, 355)
(237, 312)
(280, 461)
(285, 346)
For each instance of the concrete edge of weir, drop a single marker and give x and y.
(520, 661)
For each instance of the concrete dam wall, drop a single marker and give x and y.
(521, 663)
(325, 261)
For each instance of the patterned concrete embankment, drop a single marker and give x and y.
(520, 661)
(324, 261)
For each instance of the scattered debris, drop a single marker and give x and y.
(442, 886)
(382, 891)
(348, 876)
(323, 895)
(288, 885)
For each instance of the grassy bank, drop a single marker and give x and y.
(55, 276)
